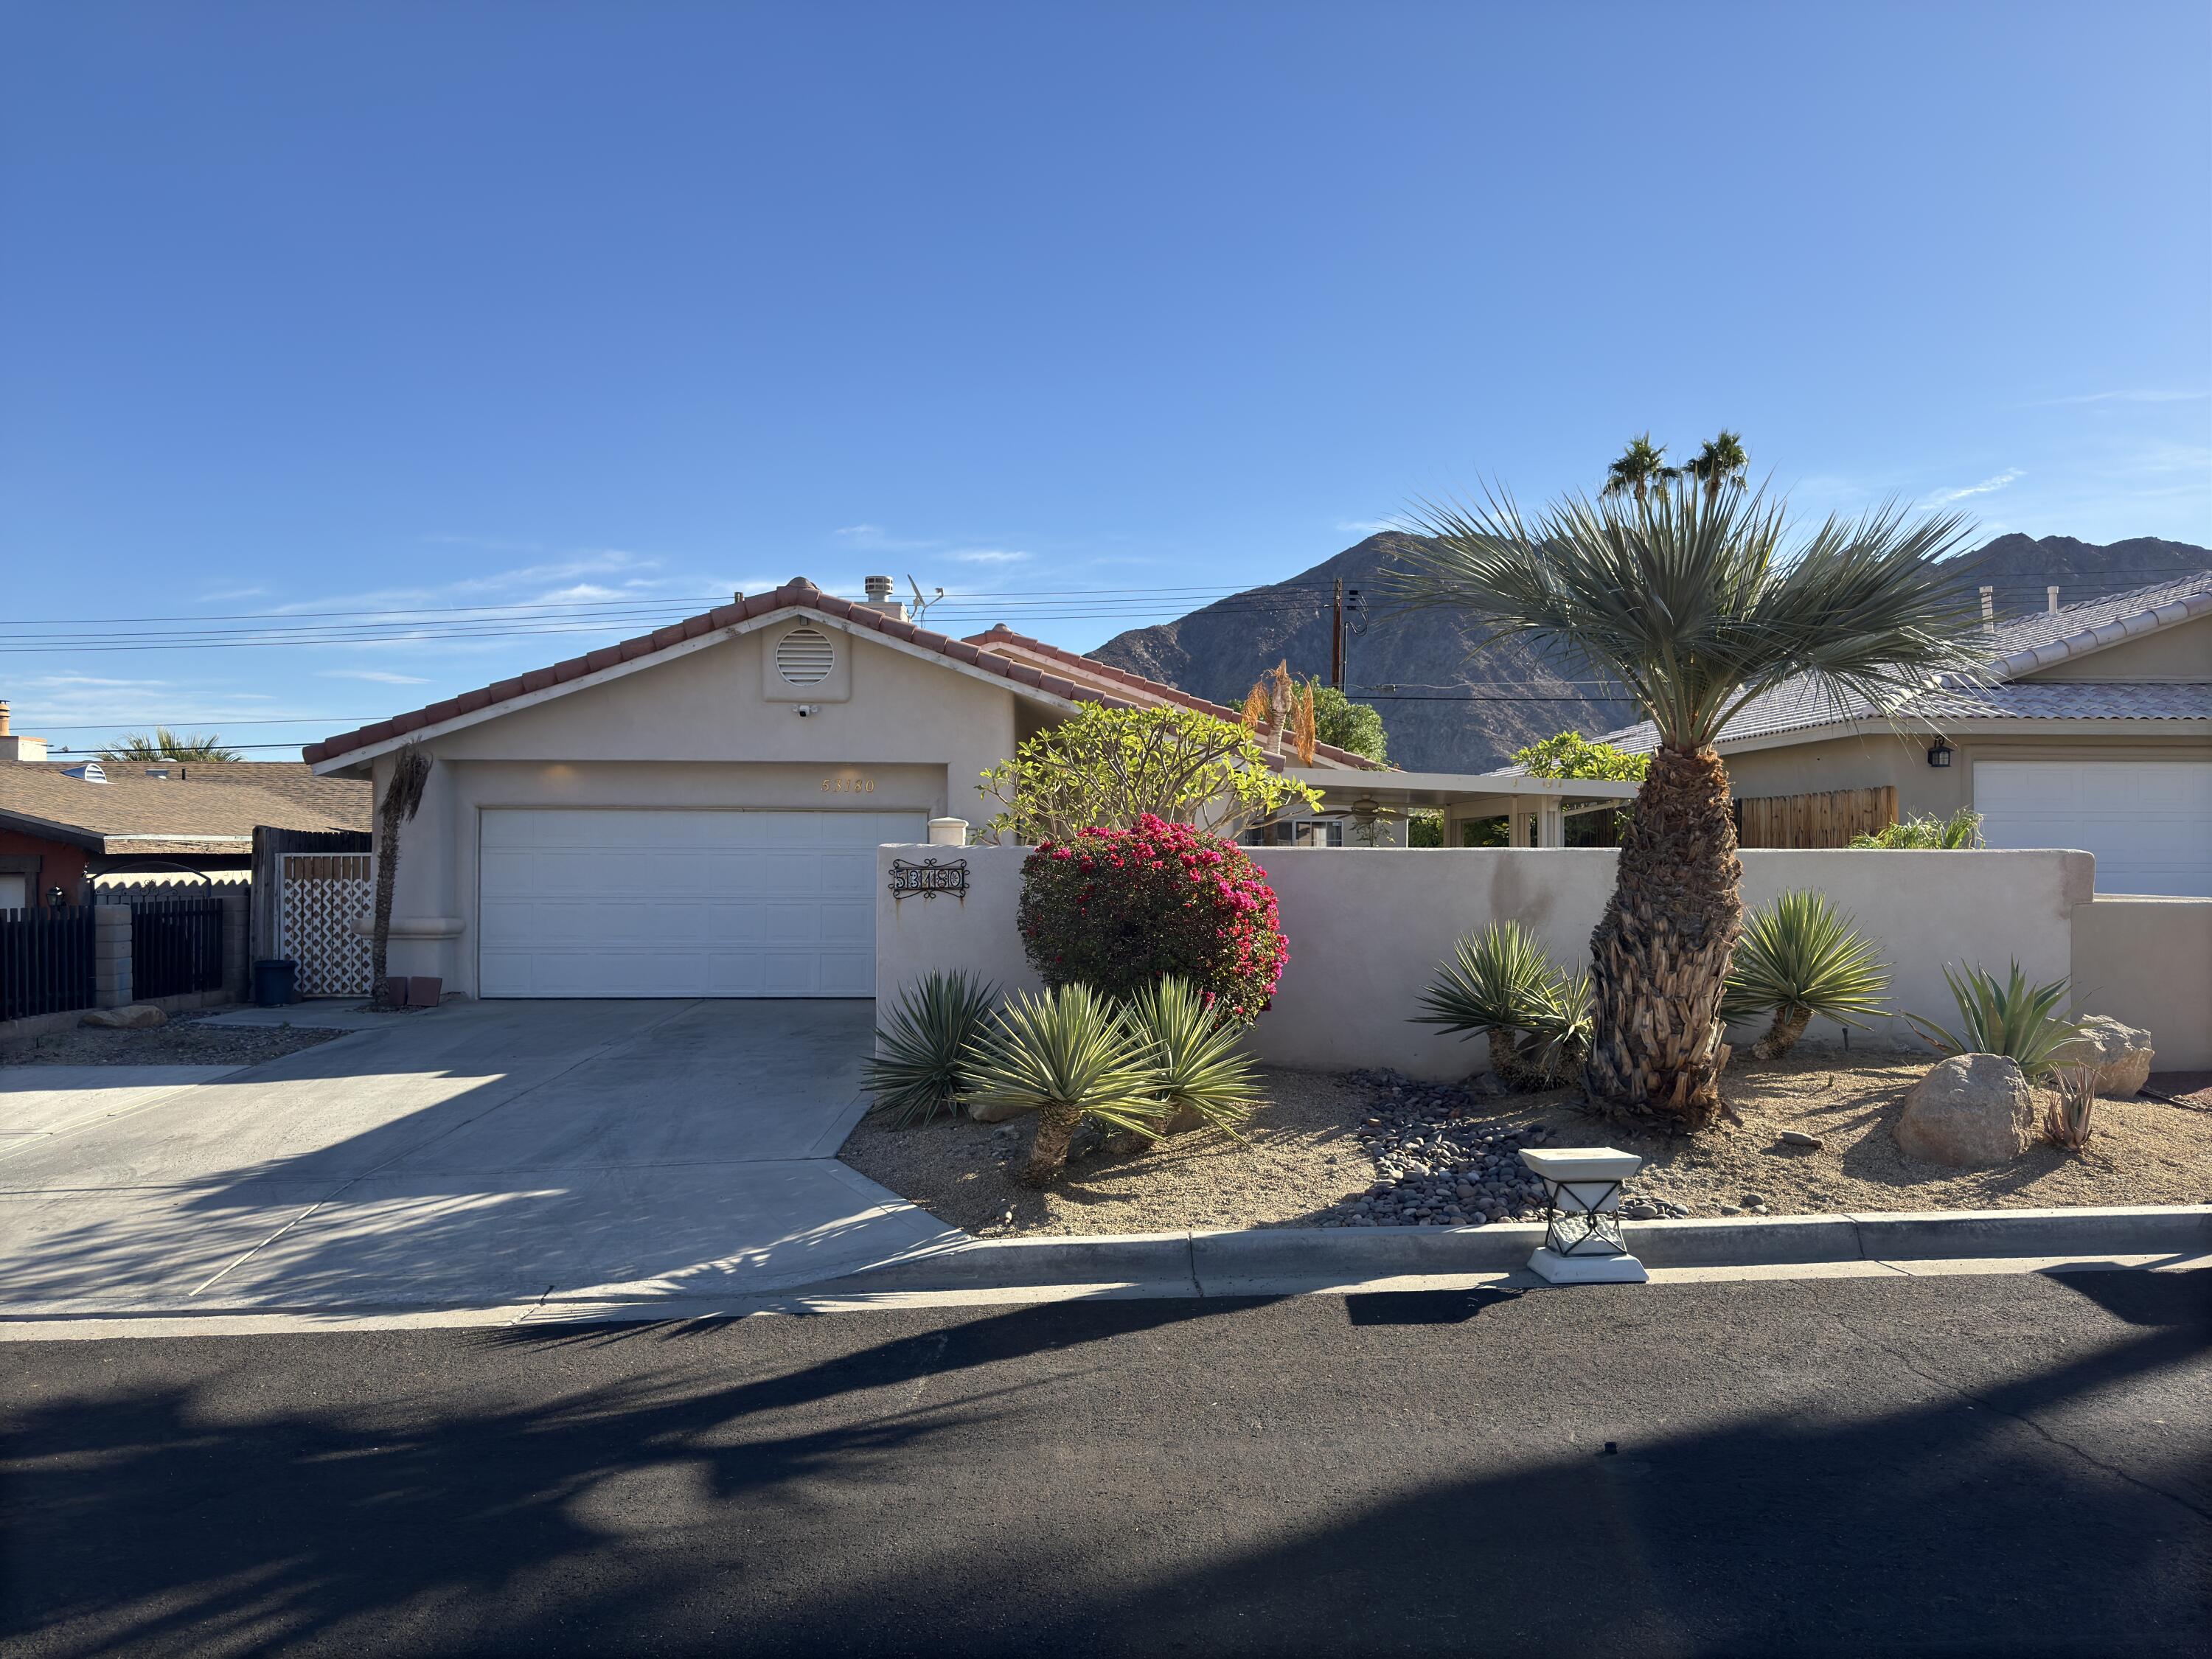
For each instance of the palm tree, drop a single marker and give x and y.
(165, 745)
(403, 796)
(1640, 466)
(1720, 461)
(1696, 606)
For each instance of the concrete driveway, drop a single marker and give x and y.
(478, 1155)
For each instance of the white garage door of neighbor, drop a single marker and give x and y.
(607, 902)
(2149, 822)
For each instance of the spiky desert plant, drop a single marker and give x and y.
(2073, 1097)
(1197, 1067)
(1798, 957)
(2014, 1019)
(1695, 607)
(919, 1066)
(1499, 982)
(1960, 833)
(1066, 1055)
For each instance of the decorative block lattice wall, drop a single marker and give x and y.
(323, 894)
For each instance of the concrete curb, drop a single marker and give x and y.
(1265, 1260)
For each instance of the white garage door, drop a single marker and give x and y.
(2149, 822)
(638, 904)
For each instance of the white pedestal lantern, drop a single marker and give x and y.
(1583, 1244)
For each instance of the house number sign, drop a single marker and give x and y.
(929, 877)
(848, 786)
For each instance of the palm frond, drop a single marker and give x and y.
(1698, 605)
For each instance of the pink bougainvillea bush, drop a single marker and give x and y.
(1116, 909)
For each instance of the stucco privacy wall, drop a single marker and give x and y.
(2149, 961)
(1368, 927)
(692, 732)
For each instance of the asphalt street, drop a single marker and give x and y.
(2002, 1464)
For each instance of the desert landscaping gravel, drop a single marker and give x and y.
(1344, 1150)
(183, 1041)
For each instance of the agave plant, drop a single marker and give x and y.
(2014, 1019)
(1066, 1054)
(2074, 1097)
(1695, 606)
(1798, 957)
(1197, 1068)
(918, 1070)
(1500, 983)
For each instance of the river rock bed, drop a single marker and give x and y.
(1441, 1162)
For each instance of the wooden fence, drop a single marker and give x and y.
(269, 847)
(46, 959)
(1817, 820)
(176, 947)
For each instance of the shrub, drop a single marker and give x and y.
(1116, 909)
(1113, 766)
(2074, 1097)
(919, 1071)
(2014, 1019)
(1537, 1015)
(1066, 1055)
(1800, 958)
(1961, 832)
(1196, 1066)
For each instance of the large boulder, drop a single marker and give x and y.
(1971, 1111)
(136, 1017)
(2121, 1054)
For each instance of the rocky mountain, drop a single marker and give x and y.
(1449, 708)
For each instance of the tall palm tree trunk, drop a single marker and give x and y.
(1660, 958)
(387, 873)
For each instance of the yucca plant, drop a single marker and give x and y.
(1197, 1067)
(2014, 1019)
(1066, 1054)
(1499, 982)
(2074, 1097)
(1695, 606)
(918, 1070)
(1798, 957)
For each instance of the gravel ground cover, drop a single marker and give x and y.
(1378, 1149)
(186, 1040)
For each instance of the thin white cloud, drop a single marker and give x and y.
(2141, 396)
(1987, 486)
(873, 538)
(377, 676)
(222, 594)
(990, 556)
(1363, 527)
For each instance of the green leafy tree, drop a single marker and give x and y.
(1571, 755)
(1720, 464)
(1344, 724)
(1641, 466)
(1695, 607)
(1107, 768)
(136, 748)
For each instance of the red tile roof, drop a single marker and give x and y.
(801, 594)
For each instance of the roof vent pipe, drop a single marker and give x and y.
(1988, 608)
(2050, 596)
(879, 597)
(15, 747)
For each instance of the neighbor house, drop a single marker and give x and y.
(66, 824)
(2095, 733)
(695, 813)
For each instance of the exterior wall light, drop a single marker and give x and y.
(1583, 1244)
(1939, 753)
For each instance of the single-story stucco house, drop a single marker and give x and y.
(695, 813)
(2095, 733)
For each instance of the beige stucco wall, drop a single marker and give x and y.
(1366, 930)
(1873, 760)
(2182, 653)
(2149, 961)
(692, 732)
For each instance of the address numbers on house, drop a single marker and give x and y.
(848, 786)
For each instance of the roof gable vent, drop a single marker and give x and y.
(804, 657)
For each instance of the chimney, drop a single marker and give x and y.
(15, 748)
(2051, 594)
(1988, 608)
(879, 598)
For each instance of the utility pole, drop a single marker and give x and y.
(1336, 639)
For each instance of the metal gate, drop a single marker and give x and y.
(323, 892)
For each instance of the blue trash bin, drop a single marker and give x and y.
(275, 981)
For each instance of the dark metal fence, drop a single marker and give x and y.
(176, 946)
(46, 961)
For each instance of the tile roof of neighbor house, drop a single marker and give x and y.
(132, 812)
(799, 594)
(2023, 645)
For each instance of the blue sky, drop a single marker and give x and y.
(398, 308)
